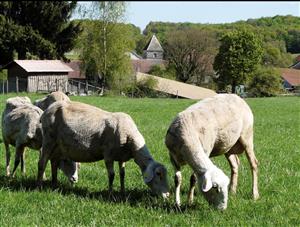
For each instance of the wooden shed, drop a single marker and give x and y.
(36, 76)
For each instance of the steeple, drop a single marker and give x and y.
(153, 49)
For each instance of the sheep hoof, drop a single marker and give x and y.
(255, 196)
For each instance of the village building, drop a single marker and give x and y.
(152, 55)
(291, 78)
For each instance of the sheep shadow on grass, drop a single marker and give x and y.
(132, 197)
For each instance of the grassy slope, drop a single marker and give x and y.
(277, 148)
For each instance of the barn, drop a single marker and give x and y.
(36, 76)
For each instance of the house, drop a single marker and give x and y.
(152, 55)
(36, 75)
(76, 74)
(291, 79)
(153, 49)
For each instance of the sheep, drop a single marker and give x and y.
(85, 133)
(222, 124)
(45, 102)
(21, 128)
(14, 102)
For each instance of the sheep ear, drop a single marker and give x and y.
(207, 183)
(148, 176)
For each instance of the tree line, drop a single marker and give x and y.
(211, 55)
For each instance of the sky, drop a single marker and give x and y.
(143, 12)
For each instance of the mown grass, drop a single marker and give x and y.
(277, 148)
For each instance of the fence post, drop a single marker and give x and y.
(56, 84)
(17, 84)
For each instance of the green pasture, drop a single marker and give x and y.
(277, 147)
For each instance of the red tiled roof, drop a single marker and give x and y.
(144, 65)
(292, 76)
(76, 74)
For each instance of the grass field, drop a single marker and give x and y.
(277, 147)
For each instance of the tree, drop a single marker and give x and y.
(239, 55)
(40, 28)
(293, 41)
(104, 44)
(265, 82)
(192, 53)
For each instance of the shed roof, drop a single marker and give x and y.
(42, 65)
(292, 76)
(153, 45)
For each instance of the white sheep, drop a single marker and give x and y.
(45, 102)
(15, 102)
(85, 133)
(21, 128)
(222, 124)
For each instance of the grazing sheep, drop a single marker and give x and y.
(14, 102)
(85, 133)
(21, 128)
(222, 124)
(45, 102)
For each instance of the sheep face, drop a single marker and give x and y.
(70, 169)
(214, 186)
(156, 178)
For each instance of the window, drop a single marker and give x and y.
(154, 55)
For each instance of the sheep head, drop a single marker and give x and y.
(155, 176)
(214, 186)
(70, 169)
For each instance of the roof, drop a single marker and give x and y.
(292, 76)
(296, 65)
(178, 88)
(145, 65)
(134, 56)
(153, 45)
(76, 73)
(41, 65)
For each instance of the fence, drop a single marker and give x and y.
(35, 84)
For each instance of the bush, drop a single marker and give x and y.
(3, 74)
(145, 88)
(265, 82)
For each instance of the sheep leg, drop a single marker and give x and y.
(23, 168)
(234, 165)
(7, 154)
(54, 166)
(122, 176)
(45, 154)
(19, 153)
(193, 181)
(177, 180)
(248, 144)
(111, 174)
(40, 155)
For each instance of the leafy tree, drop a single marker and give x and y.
(266, 81)
(239, 55)
(191, 52)
(40, 28)
(274, 56)
(104, 44)
(293, 41)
